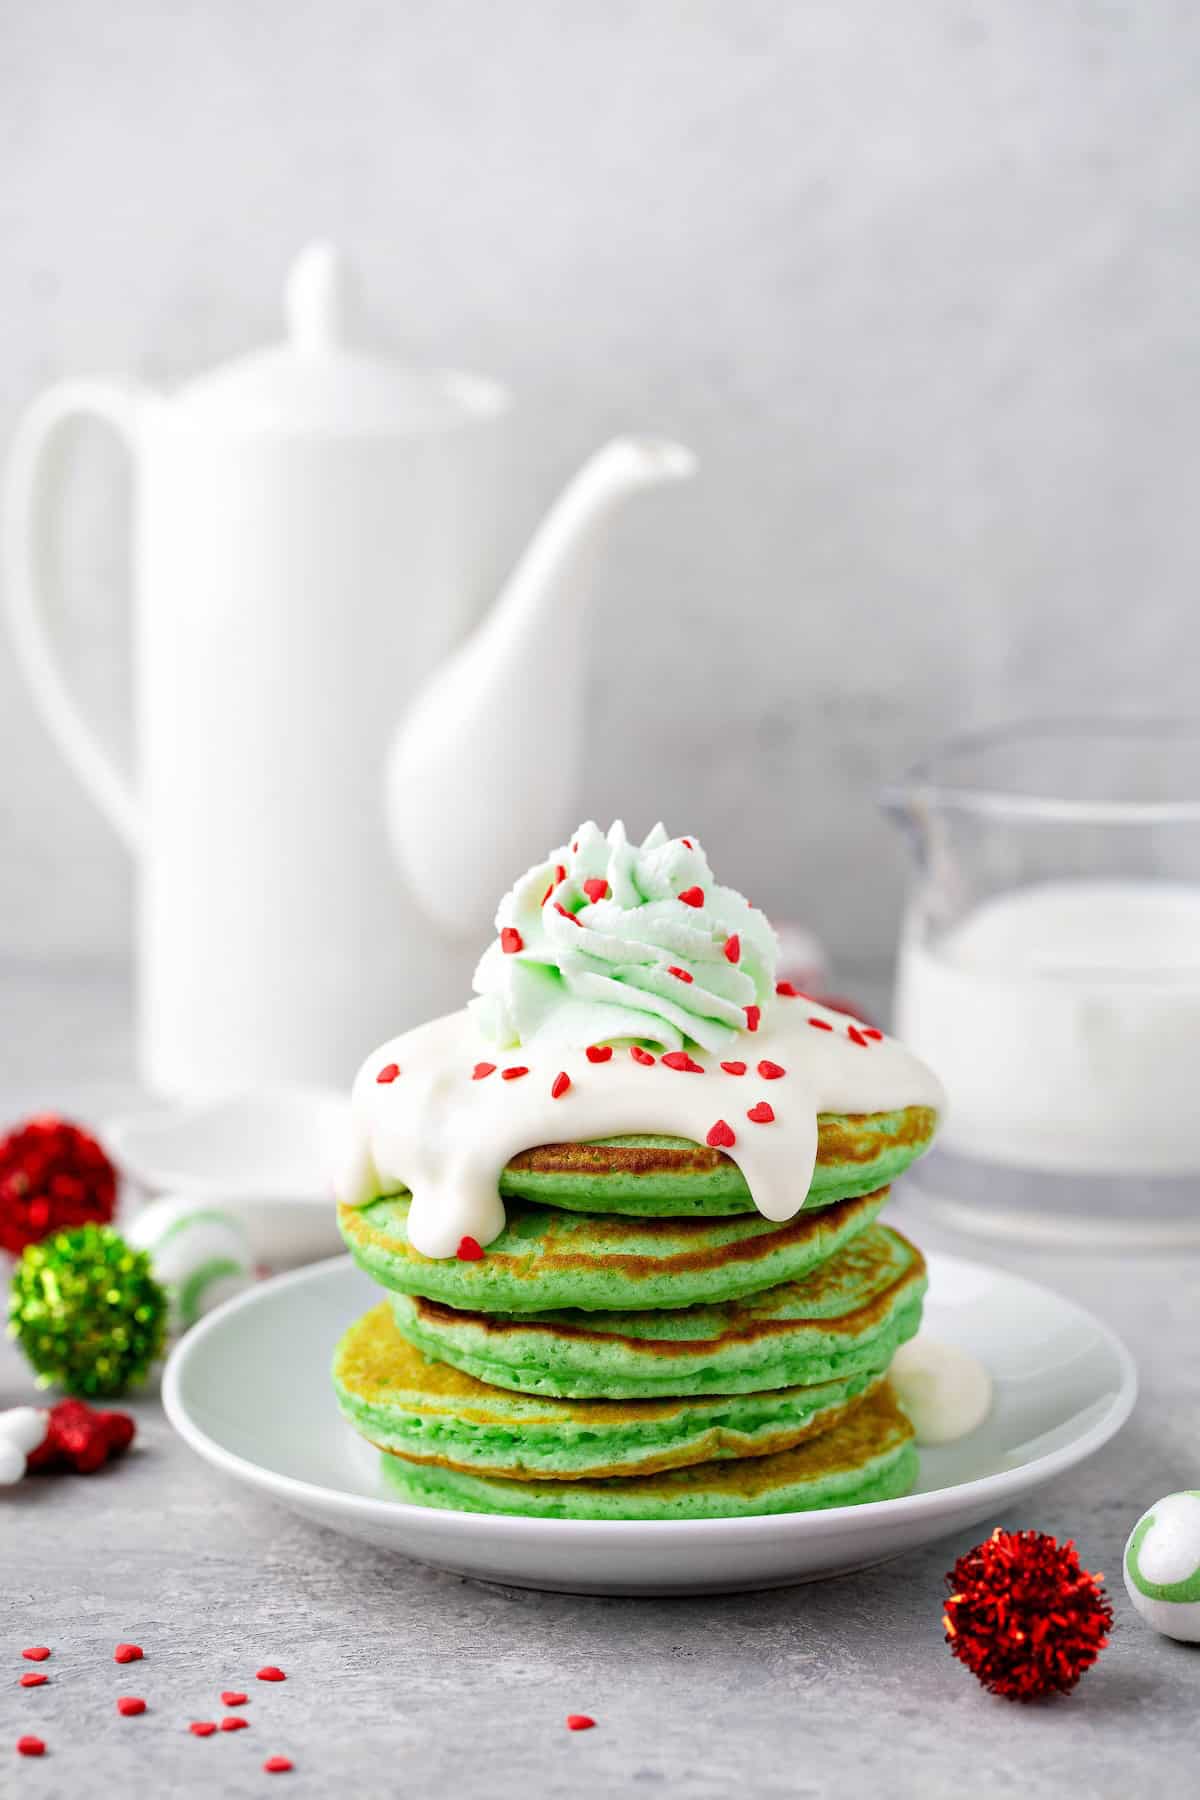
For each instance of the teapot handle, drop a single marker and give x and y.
(32, 490)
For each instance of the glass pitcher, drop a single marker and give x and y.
(1049, 970)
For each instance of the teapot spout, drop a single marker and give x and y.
(481, 775)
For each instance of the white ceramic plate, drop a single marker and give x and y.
(249, 1390)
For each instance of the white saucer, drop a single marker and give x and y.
(248, 1388)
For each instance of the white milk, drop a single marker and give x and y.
(1064, 1019)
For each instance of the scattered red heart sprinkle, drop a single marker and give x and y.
(469, 1250)
(388, 1073)
(234, 1723)
(856, 1036)
(511, 940)
(679, 1059)
(560, 1084)
(693, 896)
(734, 1068)
(869, 1031)
(733, 948)
(229, 1698)
(202, 1727)
(679, 974)
(30, 1746)
(640, 1056)
(560, 908)
(547, 893)
(753, 1015)
(481, 1071)
(762, 1114)
(596, 889)
(34, 1680)
(581, 1721)
(770, 1071)
(515, 1073)
(599, 1052)
(820, 1025)
(39, 1653)
(269, 1672)
(688, 842)
(129, 1706)
(720, 1137)
(276, 1765)
(786, 989)
(126, 1653)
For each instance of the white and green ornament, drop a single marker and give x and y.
(199, 1253)
(1162, 1566)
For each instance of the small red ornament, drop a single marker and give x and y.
(52, 1176)
(1023, 1616)
(80, 1439)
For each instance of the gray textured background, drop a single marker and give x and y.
(917, 278)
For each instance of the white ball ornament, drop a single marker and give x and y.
(22, 1429)
(1162, 1566)
(200, 1253)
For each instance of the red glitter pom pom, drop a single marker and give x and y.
(52, 1176)
(81, 1439)
(1023, 1615)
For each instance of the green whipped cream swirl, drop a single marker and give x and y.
(612, 942)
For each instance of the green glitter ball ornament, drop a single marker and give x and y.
(86, 1309)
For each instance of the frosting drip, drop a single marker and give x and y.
(606, 940)
(443, 1124)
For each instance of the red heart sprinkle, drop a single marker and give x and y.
(560, 874)
(39, 1653)
(856, 1036)
(511, 940)
(753, 1015)
(688, 842)
(693, 896)
(720, 1137)
(560, 1084)
(202, 1727)
(269, 1672)
(596, 889)
(599, 1052)
(679, 1059)
(640, 1056)
(787, 990)
(580, 1721)
(679, 974)
(762, 1114)
(388, 1073)
(129, 1706)
(234, 1723)
(770, 1071)
(820, 1025)
(32, 1680)
(126, 1653)
(276, 1765)
(482, 1070)
(734, 1068)
(515, 1073)
(569, 916)
(869, 1031)
(30, 1746)
(547, 894)
(733, 948)
(469, 1250)
(229, 1698)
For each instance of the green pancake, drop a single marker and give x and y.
(664, 1176)
(869, 1456)
(849, 1315)
(430, 1413)
(545, 1259)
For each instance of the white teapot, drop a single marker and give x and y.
(315, 528)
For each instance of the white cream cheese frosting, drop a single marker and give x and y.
(441, 1109)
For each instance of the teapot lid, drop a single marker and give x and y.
(326, 378)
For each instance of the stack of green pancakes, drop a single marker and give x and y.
(639, 1343)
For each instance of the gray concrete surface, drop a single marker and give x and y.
(404, 1681)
